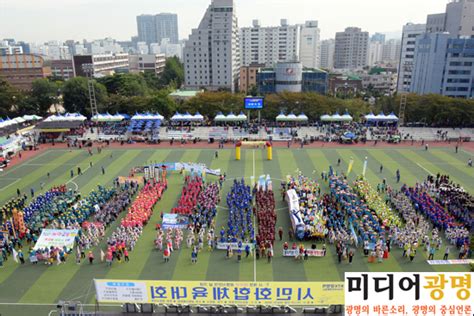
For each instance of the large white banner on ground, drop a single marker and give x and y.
(57, 238)
(233, 245)
(310, 252)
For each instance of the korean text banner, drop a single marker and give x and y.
(405, 293)
(220, 293)
(56, 238)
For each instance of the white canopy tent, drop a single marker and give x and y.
(32, 117)
(302, 117)
(325, 118)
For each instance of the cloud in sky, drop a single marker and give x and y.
(42, 20)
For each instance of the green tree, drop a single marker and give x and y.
(129, 85)
(173, 74)
(43, 94)
(76, 95)
(9, 98)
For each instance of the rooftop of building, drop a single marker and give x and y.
(185, 93)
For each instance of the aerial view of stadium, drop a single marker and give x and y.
(132, 184)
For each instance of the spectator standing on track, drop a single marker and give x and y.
(469, 162)
(32, 192)
(398, 175)
(381, 168)
(457, 148)
(18, 192)
(103, 170)
(90, 256)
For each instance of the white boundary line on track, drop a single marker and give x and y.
(22, 164)
(254, 227)
(429, 172)
(4, 188)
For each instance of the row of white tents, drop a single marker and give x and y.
(369, 117)
(231, 117)
(381, 117)
(291, 117)
(336, 118)
(68, 117)
(19, 120)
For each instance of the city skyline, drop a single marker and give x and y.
(333, 16)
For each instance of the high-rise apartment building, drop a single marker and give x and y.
(154, 28)
(327, 54)
(167, 27)
(211, 54)
(460, 18)
(146, 28)
(351, 49)
(407, 53)
(268, 45)
(375, 53)
(310, 46)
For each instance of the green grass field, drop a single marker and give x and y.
(41, 284)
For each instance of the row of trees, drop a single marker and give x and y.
(130, 93)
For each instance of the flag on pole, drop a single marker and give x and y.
(15, 255)
(102, 255)
(351, 164)
(365, 167)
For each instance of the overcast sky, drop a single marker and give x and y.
(43, 20)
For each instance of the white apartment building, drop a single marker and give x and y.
(375, 53)
(268, 45)
(327, 54)
(391, 51)
(351, 50)
(310, 46)
(407, 52)
(211, 54)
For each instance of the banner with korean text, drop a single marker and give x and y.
(57, 238)
(408, 293)
(220, 293)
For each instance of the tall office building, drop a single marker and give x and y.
(310, 46)
(443, 65)
(167, 27)
(436, 23)
(327, 54)
(146, 28)
(460, 18)
(351, 50)
(154, 28)
(268, 45)
(407, 52)
(429, 60)
(211, 54)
